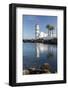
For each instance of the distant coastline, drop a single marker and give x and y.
(48, 41)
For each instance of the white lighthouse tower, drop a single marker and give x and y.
(37, 31)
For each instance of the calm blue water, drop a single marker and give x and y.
(36, 54)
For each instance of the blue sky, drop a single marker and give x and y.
(29, 22)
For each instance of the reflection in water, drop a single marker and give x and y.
(37, 51)
(40, 48)
(38, 57)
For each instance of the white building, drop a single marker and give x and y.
(43, 35)
(39, 34)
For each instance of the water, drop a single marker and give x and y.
(36, 54)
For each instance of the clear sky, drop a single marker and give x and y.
(29, 22)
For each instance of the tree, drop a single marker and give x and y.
(50, 29)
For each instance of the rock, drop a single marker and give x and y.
(46, 71)
(26, 72)
(45, 66)
(32, 70)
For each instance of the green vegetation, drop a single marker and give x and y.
(50, 29)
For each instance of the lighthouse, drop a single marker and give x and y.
(37, 31)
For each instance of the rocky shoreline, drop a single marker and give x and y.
(45, 68)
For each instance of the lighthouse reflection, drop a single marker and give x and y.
(40, 48)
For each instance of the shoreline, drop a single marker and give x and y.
(50, 41)
(45, 68)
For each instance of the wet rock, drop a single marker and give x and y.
(45, 66)
(32, 70)
(26, 72)
(46, 71)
